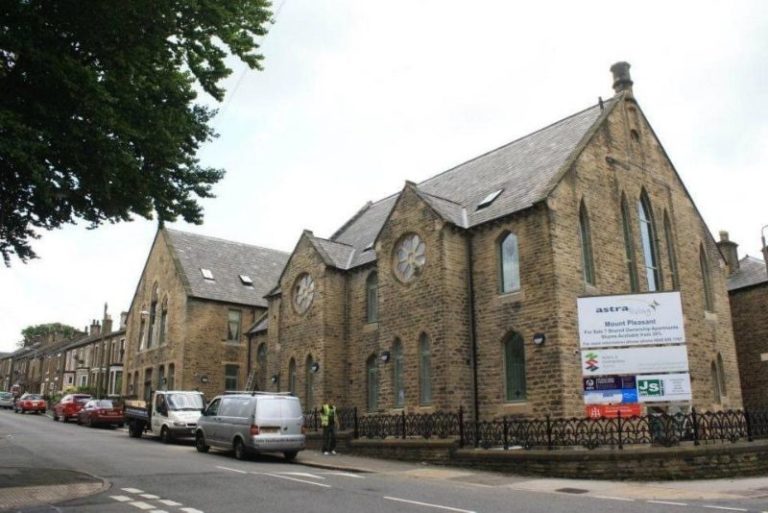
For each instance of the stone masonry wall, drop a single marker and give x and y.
(749, 307)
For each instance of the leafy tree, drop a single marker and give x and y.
(40, 332)
(98, 119)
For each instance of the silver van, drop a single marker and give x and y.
(249, 423)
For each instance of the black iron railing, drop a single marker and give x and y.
(549, 433)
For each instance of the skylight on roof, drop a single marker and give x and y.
(489, 199)
(207, 274)
(246, 279)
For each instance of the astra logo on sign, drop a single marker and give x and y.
(646, 309)
(650, 387)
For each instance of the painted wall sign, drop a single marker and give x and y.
(626, 396)
(664, 387)
(630, 320)
(595, 411)
(609, 383)
(634, 360)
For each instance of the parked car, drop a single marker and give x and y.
(252, 423)
(31, 402)
(101, 412)
(69, 406)
(6, 400)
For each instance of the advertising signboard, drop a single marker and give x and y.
(609, 383)
(595, 411)
(634, 360)
(664, 387)
(625, 396)
(630, 320)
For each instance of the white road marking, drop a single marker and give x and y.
(292, 479)
(344, 474)
(301, 474)
(668, 503)
(132, 490)
(158, 511)
(169, 502)
(233, 470)
(149, 496)
(141, 505)
(191, 510)
(121, 498)
(428, 505)
(609, 497)
(725, 508)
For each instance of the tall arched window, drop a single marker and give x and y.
(152, 317)
(585, 238)
(709, 303)
(397, 378)
(163, 321)
(171, 376)
(425, 370)
(669, 239)
(514, 368)
(372, 297)
(292, 377)
(629, 246)
(721, 375)
(261, 361)
(309, 383)
(372, 388)
(161, 378)
(650, 248)
(715, 377)
(509, 263)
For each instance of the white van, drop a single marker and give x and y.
(249, 423)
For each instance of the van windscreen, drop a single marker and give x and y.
(187, 402)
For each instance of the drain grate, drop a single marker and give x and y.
(571, 490)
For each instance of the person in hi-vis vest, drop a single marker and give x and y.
(328, 421)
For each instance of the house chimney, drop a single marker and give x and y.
(621, 79)
(106, 325)
(729, 251)
(95, 328)
(123, 319)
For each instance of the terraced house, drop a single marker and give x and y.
(460, 291)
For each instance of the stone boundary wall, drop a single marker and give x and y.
(686, 461)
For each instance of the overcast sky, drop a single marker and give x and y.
(357, 97)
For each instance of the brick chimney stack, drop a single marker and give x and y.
(95, 328)
(621, 80)
(123, 319)
(730, 252)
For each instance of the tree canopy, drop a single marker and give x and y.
(40, 332)
(98, 112)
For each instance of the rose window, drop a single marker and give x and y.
(303, 293)
(410, 256)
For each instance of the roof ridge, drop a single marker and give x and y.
(355, 217)
(211, 237)
(333, 241)
(438, 197)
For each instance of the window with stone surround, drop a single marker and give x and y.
(372, 383)
(721, 375)
(585, 239)
(303, 293)
(715, 377)
(163, 322)
(509, 263)
(409, 257)
(514, 368)
(629, 246)
(230, 377)
(649, 243)
(161, 378)
(233, 326)
(171, 376)
(261, 362)
(152, 317)
(398, 386)
(292, 376)
(425, 370)
(372, 297)
(672, 254)
(706, 283)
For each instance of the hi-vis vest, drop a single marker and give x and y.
(327, 415)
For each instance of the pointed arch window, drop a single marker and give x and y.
(509, 263)
(372, 382)
(152, 317)
(585, 238)
(372, 297)
(163, 321)
(721, 375)
(425, 370)
(669, 239)
(715, 377)
(397, 378)
(292, 377)
(171, 376)
(629, 247)
(649, 243)
(706, 283)
(514, 368)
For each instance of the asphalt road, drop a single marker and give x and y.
(146, 475)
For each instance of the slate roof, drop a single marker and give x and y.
(261, 324)
(525, 170)
(227, 260)
(751, 271)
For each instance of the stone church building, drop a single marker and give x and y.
(431, 299)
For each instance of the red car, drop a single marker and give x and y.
(30, 402)
(101, 412)
(69, 406)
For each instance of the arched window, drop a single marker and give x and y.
(721, 375)
(372, 388)
(129, 385)
(309, 383)
(715, 376)
(585, 238)
(425, 370)
(650, 248)
(509, 263)
(514, 368)
(709, 303)
(152, 317)
(292, 378)
(397, 378)
(261, 362)
(171, 376)
(669, 239)
(161, 378)
(629, 246)
(163, 321)
(372, 297)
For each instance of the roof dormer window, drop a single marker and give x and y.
(207, 274)
(247, 281)
(489, 199)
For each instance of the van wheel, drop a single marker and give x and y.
(134, 430)
(200, 444)
(290, 455)
(165, 435)
(241, 453)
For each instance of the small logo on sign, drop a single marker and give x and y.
(590, 363)
(650, 387)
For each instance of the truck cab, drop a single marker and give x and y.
(170, 414)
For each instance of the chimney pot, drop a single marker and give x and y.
(730, 252)
(621, 78)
